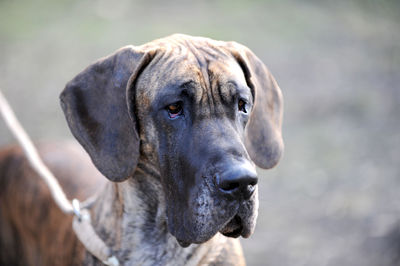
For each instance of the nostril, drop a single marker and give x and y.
(238, 183)
(229, 186)
(253, 181)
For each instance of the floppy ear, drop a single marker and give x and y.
(263, 133)
(96, 108)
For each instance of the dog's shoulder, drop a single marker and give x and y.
(28, 213)
(66, 160)
(73, 168)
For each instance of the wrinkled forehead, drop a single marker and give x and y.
(204, 67)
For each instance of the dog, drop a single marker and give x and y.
(177, 126)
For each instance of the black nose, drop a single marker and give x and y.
(239, 181)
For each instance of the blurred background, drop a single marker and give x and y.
(334, 199)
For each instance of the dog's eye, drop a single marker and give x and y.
(242, 106)
(174, 109)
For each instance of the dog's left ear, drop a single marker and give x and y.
(263, 132)
(97, 104)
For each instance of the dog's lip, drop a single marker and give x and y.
(234, 228)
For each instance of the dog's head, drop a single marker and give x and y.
(201, 111)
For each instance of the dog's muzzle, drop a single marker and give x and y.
(238, 184)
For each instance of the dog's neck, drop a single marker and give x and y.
(131, 218)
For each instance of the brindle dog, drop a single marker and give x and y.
(175, 125)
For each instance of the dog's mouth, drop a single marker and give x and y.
(210, 215)
(233, 228)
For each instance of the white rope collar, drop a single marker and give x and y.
(81, 224)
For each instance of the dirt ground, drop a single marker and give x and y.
(335, 197)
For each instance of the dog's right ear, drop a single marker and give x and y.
(95, 105)
(263, 132)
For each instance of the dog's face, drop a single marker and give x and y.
(201, 111)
